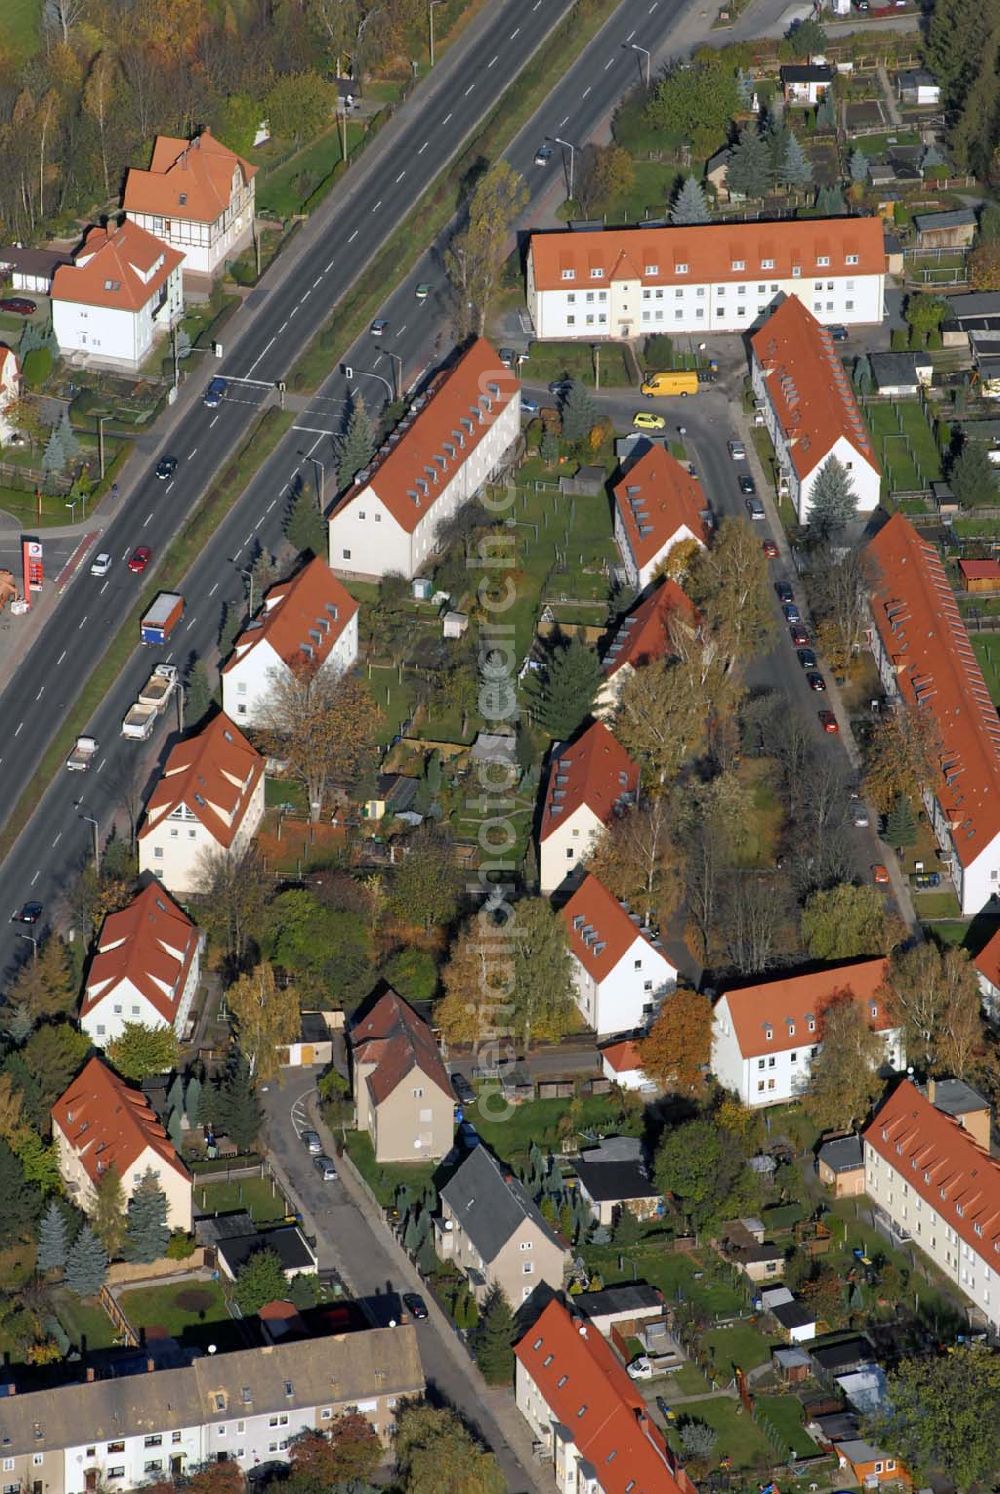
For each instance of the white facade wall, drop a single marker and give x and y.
(248, 681)
(365, 539)
(108, 335)
(640, 576)
(976, 1276)
(206, 246)
(123, 1003)
(566, 846)
(172, 849)
(630, 995)
(567, 1464)
(176, 1185)
(626, 308)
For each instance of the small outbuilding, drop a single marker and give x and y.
(840, 1165)
(980, 577)
(901, 375)
(918, 86)
(954, 229)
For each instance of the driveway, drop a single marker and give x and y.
(351, 1238)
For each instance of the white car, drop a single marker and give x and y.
(737, 451)
(640, 1368)
(101, 564)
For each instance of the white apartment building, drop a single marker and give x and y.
(658, 505)
(644, 634)
(119, 296)
(590, 779)
(939, 1188)
(765, 1036)
(712, 277)
(809, 408)
(145, 968)
(308, 622)
(620, 973)
(453, 440)
(198, 197)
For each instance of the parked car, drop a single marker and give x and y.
(543, 155)
(747, 484)
(755, 509)
(859, 815)
(528, 406)
(324, 1166)
(415, 1306)
(640, 1368)
(139, 559)
(215, 393)
(806, 658)
(784, 591)
(838, 333)
(816, 680)
(463, 1089)
(770, 549)
(19, 305)
(310, 1140)
(880, 874)
(468, 1136)
(645, 420)
(799, 635)
(166, 467)
(101, 564)
(828, 722)
(560, 387)
(737, 451)
(792, 613)
(423, 291)
(28, 913)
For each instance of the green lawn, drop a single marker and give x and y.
(784, 1413)
(573, 360)
(286, 189)
(256, 1195)
(689, 1380)
(538, 1120)
(739, 1438)
(86, 1323)
(740, 1347)
(21, 25)
(904, 443)
(674, 1272)
(175, 1308)
(986, 647)
(384, 1181)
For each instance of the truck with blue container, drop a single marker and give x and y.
(162, 618)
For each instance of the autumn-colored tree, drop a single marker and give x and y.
(267, 1018)
(678, 1045)
(140, 1050)
(636, 859)
(660, 719)
(348, 1449)
(108, 1217)
(730, 585)
(606, 173)
(231, 897)
(510, 977)
(324, 726)
(44, 986)
(902, 756)
(476, 255)
(679, 560)
(936, 996)
(844, 922)
(843, 1078)
(12, 1123)
(476, 982)
(983, 266)
(217, 1478)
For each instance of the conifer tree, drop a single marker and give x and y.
(197, 694)
(192, 1100)
(54, 455)
(147, 1233)
(798, 171)
(749, 165)
(858, 167)
(493, 1345)
(562, 694)
(86, 1264)
(357, 442)
(68, 436)
(690, 204)
(832, 501)
(900, 826)
(305, 527)
(53, 1238)
(578, 413)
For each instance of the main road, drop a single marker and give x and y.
(53, 845)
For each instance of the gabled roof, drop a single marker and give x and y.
(807, 72)
(718, 252)
(655, 499)
(189, 179)
(600, 931)
(151, 943)
(943, 1164)
(213, 774)
(785, 1007)
(808, 389)
(391, 1036)
(445, 426)
(121, 269)
(922, 632)
(490, 1204)
(594, 770)
(587, 1391)
(301, 619)
(623, 1057)
(987, 961)
(107, 1124)
(644, 634)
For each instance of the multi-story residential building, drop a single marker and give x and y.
(939, 1189)
(493, 1231)
(809, 407)
(309, 622)
(658, 505)
(402, 1093)
(620, 973)
(126, 1431)
(99, 1123)
(712, 277)
(198, 197)
(765, 1036)
(209, 799)
(119, 296)
(145, 968)
(646, 633)
(987, 963)
(593, 1423)
(453, 440)
(10, 390)
(925, 660)
(590, 780)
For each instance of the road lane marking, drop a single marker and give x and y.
(610, 63)
(169, 486)
(214, 589)
(60, 658)
(327, 268)
(353, 237)
(630, 36)
(653, 6)
(191, 454)
(493, 60)
(83, 623)
(19, 725)
(423, 148)
(192, 621)
(469, 89)
(377, 206)
(585, 91)
(401, 330)
(147, 518)
(258, 523)
(515, 32)
(270, 505)
(316, 281)
(104, 588)
(305, 298)
(247, 540)
(126, 551)
(562, 122)
(40, 693)
(446, 119)
(212, 421)
(35, 878)
(400, 176)
(259, 357)
(57, 840)
(283, 326)
(100, 765)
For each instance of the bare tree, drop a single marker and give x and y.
(61, 16)
(323, 725)
(755, 911)
(232, 893)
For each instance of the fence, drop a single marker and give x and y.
(118, 1318)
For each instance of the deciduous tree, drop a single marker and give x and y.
(260, 1279)
(902, 756)
(660, 719)
(44, 986)
(936, 995)
(231, 896)
(637, 859)
(436, 1451)
(476, 254)
(347, 1450)
(324, 726)
(427, 882)
(541, 994)
(695, 102)
(606, 173)
(943, 1411)
(678, 1045)
(843, 1077)
(729, 583)
(843, 922)
(267, 1018)
(54, 1053)
(705, 1170)
(141, 1050)
(300, 105)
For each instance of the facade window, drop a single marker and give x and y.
(175, 1437)
(571, 321)
(326, 1414)
(760, 1086)
(116, 1447)
(793, 1057)
(527, 1268)
(155, 1465)
(770, 1084)
(571, 298)
(525, 1245)
(637, 965)
(848, 305)
(155, 1441)
(760, 1063)
(346, 554)
(116, 1472)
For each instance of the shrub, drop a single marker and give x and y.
(37, 367)
(180, 1246)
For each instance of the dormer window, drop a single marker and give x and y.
(739, 264)
(796, 271)
(769, 1033)
(850, 259)
(651, 269)
(569, 274)
(597, 274)
(874, 1010)
(767, 264)
(183, 199)
(822, 260)
(791, 1029)
(960, 1211)
(680, 269)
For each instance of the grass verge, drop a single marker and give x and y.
(179, 557)
(438, 205)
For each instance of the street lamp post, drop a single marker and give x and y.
(572, 159)
(249, 576)
(646, 55)
(100, 438)
(321, 483)
(34, 944)
(430, 21)
(97, 840)
(397, 372)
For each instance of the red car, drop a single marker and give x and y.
(19, 305)
(770, 549)
(880, 873)
(828, 722)
(139, 559)
(799, 635)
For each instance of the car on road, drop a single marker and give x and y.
(310, 1140)
(792, 613)
(166, 467)
(755, 509)
(378, 326)
(28, 913)
(324, 1166)
(828, 722)
(737, 451)
(560, 387)
(529, 406)
(880, 874)
(806, 658)
(645, 420)
(101, 564)
(799, 636)
(19, 305)
(463, 1089)
(415, 1306)
(508, 357)
(641, 1368)
(423, 291)
(784, 591)
(770, 549)
(859, 815)
(815, 680)
(139, 559)
(543, 155)
(214, 394)
(838, 333)
(747, 484)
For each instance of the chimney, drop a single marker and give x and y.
(931, 1089)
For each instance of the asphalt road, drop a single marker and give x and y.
(57, 841)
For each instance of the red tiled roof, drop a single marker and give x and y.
(644, 635)
(150, 943)
(942, 1163)
(656, 498)
(311, 610)
(460, 407)
(789, 1003)
(623, 1056)
(980, 570)
(217, 769)
(710, 251)
(610, 932)
(595, 770)
(392, 1036)
(918, 621)
(987, 961)
(112, 268)
(189, 179)
(808, 388)
(588, 1392)
(109, 1125)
